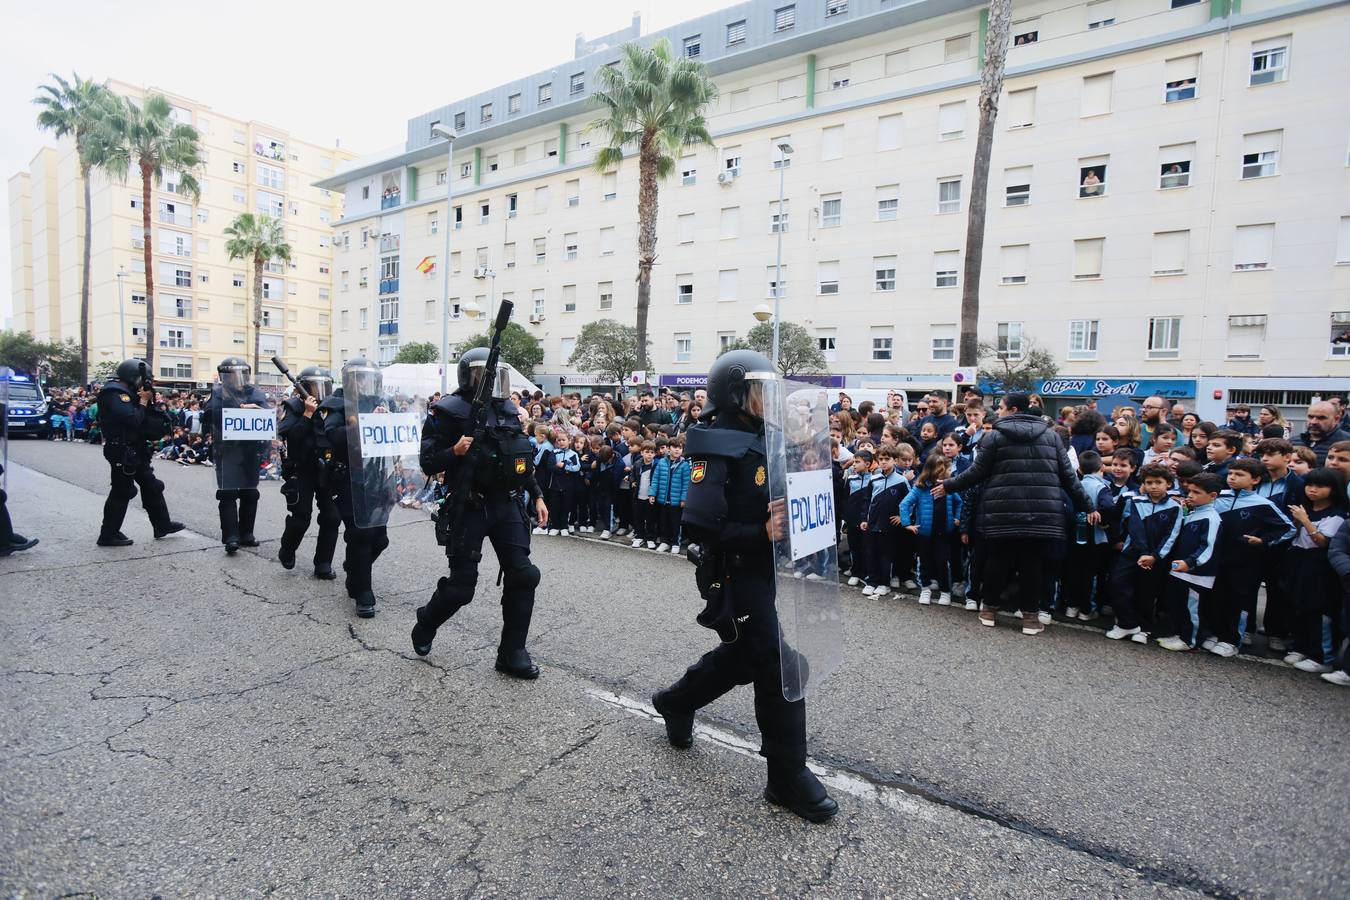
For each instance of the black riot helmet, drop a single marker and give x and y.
(361, 378)
(736, 382)
(472, 364)
(129, 373)
(318, 381)
(234, 372)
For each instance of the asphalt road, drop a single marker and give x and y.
(181, 723)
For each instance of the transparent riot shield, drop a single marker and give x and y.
(5, 374)
(243, 437)
(806, 559)
(384, 439)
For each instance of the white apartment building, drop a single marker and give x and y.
(203, 300)
(1169, 204)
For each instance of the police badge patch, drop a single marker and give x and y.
(520, 465)
(125, 398)
(697, 471)
(759, 477)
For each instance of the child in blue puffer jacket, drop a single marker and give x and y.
(934, 523)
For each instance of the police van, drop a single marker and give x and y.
(28, 412)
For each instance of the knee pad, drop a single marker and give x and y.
(125, 491)
(329, 517)
(380, 543)
(521, 579)
(250, 495)
(226, 495)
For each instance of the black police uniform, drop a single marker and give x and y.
(238, 508)
(725, 512)
(364, 545)
(503, 483)
(306, 482)
(128, 428)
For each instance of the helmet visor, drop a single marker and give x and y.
(320, 387)
(501, 387)
(757, 389)
(362, 382)
(234, 378)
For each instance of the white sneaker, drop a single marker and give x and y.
(895, 582)
(911, 584)
(869, 591)
(853, 580)
(637, 542)
(555, 532)
(1140, 638)
(605, 535)
(1337, 677)
(972, 606)
(651, 545)
(1117, 633)
(662, 547)
(1294, 657)
(925, 597)
(1209, 643)
(881, 591)
(1045, 618)
(1277, 645)
(1173, 643)
(675, 550)
(1224, 649)
(1313, 666)
(540, 531)
(810, 576)
(1084, 616)
(944, 599)
(1071, 612)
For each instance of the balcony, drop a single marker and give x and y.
(388, 243)
(388, 328)
(270, 150)
(388, 285)
(390, 199)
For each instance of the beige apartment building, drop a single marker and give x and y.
(203, 300)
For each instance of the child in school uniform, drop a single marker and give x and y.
(932, 522)
(1314, 587)
(1284, 488)
(1221, 450)
(907, 465)
(951, 447)
(640, 475)
(883, 521)
(859, 485)
(1195, 562)
(602, 490)
(585, 508)
(543, 473)
(1152, 524)
(670, 485)
(1088, 558)
(563, 486)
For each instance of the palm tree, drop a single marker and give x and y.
(76, 109)
(145, 135)
(654, 102)
(260, 239)
(991, 85)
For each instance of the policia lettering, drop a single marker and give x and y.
(727, 514)
(237, 462)
(306, 472)
(503, 482)
(129, 420)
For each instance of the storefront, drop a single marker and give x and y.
(1112, 392)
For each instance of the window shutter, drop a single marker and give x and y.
(951, 119)
(1169, 252)
(1021, 108)
(1262, 142)
(1097, 94)
(1087, 258)
(888, 132)
(1175, 153)
(1252, 246)
(1013, 263)
(726, 284)
(832, 142)
(1181, 68)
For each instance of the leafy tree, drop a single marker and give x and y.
(798, 352)
(104, 371)
(145, 135)
(607, 348)
(259, 239)
(57, 362)
(519, 347)
(77, 109)
(425, 352)
(653, 100)
(1020, 374)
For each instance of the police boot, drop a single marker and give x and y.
(115, 539)
(286, 555)
(229, 523)
(168, 528)
(248, 514)
(702, 684)
(365, 604)
(423, 633)
(324, 572)
(792, 785)
(517, 608)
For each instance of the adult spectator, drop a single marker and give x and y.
(1323, 430)
(648, 413)
(843, 402)
(1178, 413)
(1084, 429)
(1151, 413)
(1025, 470)
(1271, 415)
(943, 421)
(1241, 420)
(1343, 412)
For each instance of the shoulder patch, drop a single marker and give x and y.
(697, 469)
(125, 398)
(759, 477)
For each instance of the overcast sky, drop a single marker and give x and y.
(325, 71)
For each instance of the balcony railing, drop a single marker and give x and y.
(388, 328)
(388, 285)
(390, 200)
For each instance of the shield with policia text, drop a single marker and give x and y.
(806, 559)
(243, 436)
(384, 439)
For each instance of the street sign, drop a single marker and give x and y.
(965, 375)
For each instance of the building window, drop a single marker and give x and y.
(883, 273)
(484, 213)
(952, 121)
(1246, 335)
(1343, 241)
(1097, 94)
(609, 186)
(1340, 334)
(688, 172)
(492, 164)
(537, 300)
(509, 254)
(942, 342)
(835, 8)
(545, 93)
(541, 199)
(693, 46)
(776, 289)
(1170, 249)
(1180, 78)
(1087, 258)
(572, 191)
(882, 343)
(831, 211)
(1253, 246)
(684, 348)
(897, 62)
(736, 33)
(827, 277)
(1013, 263)
(1261, 154)
(888, 202)
(137, 299)
(512, 204)
(605, 289)
(684, 289)
(780, 159)
(1092, 177)
(513, 104)
(684, 228)
(778, 216)
(551, 148)
(540, 250)
(888, 132)
(1164, 337)
(569, 299)
(728, 284)
(957, 48)
(1026, 32)
(946, 263)
(1017, 186)
(1101, 14)
(1083, 339)
(949, 195)
(1009, 340)
(576, 84)
(1178, 4)
(607, 241)
(790, 87)
(725, 341)
(570, 245)
(832, 142)
(1270, 61)
(730, 224)
(826, 343)
(1174, 166)
(784, 17)
(1021, 108)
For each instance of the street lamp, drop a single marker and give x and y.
(784, 151)
(121, 310)
(762, 313)
(439, 130)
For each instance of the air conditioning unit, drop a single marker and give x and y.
(480, 271)
(725, 178)
(535, 319)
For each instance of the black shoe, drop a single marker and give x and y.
(517, 664)
(324, 573)
(365, 605)
(422, 635)
(287, 558)
(802, 794)
(248, 540)
(116, 539)
(17, 546)
(15, 538)
(231, 546)
(171, 528)
(679, 726)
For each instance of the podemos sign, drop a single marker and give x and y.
(248, 424)
(389, 434)
(810, 511)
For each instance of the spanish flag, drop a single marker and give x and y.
(426, 265)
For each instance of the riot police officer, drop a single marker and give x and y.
(360, 377)
(237, 462)
(503, 483)
(130, 419)
(728, 514)
(305, 473)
